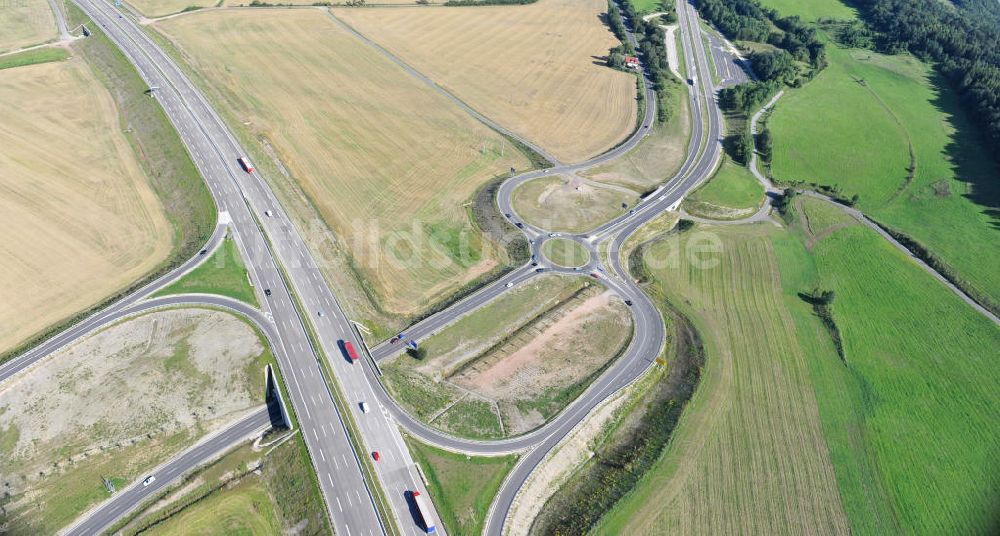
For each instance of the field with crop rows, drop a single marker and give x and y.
(749, 455)
(26, 23)
(535, 69)
(71, 238)
(387, 162)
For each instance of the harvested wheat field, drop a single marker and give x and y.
(78, 219)
(26, 23)
(535, 69)
(160, 8)
(387, 161)
(118, 403)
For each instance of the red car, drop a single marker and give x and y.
(376, 455)
(348, 349)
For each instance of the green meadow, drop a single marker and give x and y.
(901, 433)
(890, 130)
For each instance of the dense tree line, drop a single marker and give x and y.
(746, 20)
(747, 97)
(651, 50)
(967, 52)
(487, 2)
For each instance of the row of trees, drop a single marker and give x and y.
(651, 49)
(965, 49)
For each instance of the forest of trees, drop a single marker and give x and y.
(963, 43)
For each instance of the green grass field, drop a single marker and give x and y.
(910, 420)
(855, 126)
(782, 434)
(648, 6)
(565, 253)
(462, 487)
(223, 273)
(244, 509)
(732, 193)
(749, 454)
(31, 57)
(810, 10)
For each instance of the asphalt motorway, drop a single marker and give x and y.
(106, 514)
(278, 260)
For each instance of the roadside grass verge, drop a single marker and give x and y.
(247, 491)
(633, 440)
(461, 487)
(223, 273)
(660, 154)
(31, 57)
(732, 193)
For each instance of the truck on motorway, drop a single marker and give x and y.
(245, 164)
(425, 513)
(348, 349)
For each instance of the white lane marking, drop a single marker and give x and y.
(322, 455)
(323, 428)
(335, 464)
(330, 478)
(340, 506)
(315, 436)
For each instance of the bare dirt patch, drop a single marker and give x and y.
(115, 404)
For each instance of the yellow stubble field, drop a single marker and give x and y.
(387, 161)
(536, 69)
(78, 219)
(25, 23)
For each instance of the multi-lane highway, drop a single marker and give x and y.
(305, 321)
(278, 260)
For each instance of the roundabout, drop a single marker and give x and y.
(565, 253)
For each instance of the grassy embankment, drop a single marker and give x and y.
(31, 57)
(889, 129)
(462, 487)
(848, 444)
(223, 273)
(732, 193)
(246, 492)
(660, 154)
